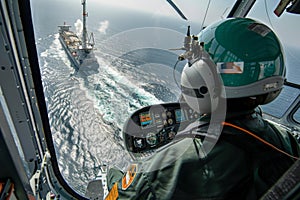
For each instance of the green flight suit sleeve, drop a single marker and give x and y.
(183, 171)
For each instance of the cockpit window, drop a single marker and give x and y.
(279, 107)
(296, 116)
(136, 44)
(133, 67)
(263, 11)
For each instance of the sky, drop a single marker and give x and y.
(192, 9)
(195, 10)
(286, 27)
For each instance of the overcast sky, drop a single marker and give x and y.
(192, 9)
(286, 26)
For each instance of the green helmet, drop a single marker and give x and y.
(249, 57)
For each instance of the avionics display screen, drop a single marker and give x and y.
(146, 119)
(179, 114)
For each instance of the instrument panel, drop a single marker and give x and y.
(154, 126)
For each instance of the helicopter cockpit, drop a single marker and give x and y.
(62, 127)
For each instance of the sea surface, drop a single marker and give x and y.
(87, 108)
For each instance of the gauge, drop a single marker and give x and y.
(172, 135)
(138, 142)
(151, 138)
(161, 138)
(169, 114)
(165, 122)
(170, 121)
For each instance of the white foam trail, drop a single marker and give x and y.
(121, 92)
(45, 53)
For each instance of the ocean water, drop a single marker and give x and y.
(87, 108)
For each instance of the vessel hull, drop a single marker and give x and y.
(74, 62)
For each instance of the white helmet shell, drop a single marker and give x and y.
(201, 86)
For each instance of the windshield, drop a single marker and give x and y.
(263, 11)
(134, 66)
(282, 26)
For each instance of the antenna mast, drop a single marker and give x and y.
(84, 31)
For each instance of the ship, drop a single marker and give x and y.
(79, 50)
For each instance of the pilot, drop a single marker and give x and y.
(240, 66)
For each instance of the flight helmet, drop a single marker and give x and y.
(247, 55)
(201, 85)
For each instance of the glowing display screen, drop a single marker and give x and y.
(179, 114)
(145, 119)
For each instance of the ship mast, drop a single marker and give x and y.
(84, 31)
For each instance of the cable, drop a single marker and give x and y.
(268, 16)
(174, 69)
(260, 139)
(205, 15)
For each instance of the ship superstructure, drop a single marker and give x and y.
(78, 49)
